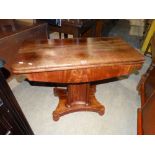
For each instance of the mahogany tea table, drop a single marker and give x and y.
(76, 62)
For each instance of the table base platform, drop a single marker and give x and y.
(77, 97)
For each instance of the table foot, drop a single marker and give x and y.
(63, 107)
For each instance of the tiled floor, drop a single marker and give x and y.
(119, 97)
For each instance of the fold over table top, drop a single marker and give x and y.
(64, 54)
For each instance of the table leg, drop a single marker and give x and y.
(65, 35)
(77, 97)
(139, 122)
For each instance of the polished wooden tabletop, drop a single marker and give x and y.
(65, 54)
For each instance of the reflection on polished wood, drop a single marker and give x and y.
(77, 62)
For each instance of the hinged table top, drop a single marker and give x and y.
(64, 54)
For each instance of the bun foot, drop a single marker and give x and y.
(101, 113)
(56, 116)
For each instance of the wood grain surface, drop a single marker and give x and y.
(52, 55)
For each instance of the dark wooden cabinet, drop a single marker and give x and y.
(146, 113)
(12, 119)
(146, 88)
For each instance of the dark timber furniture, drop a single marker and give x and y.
(5, 23)
(75, 27)
(80, 27)
(12, 119)
(146, 88)
(77, 63)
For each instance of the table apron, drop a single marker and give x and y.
(83, 74)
